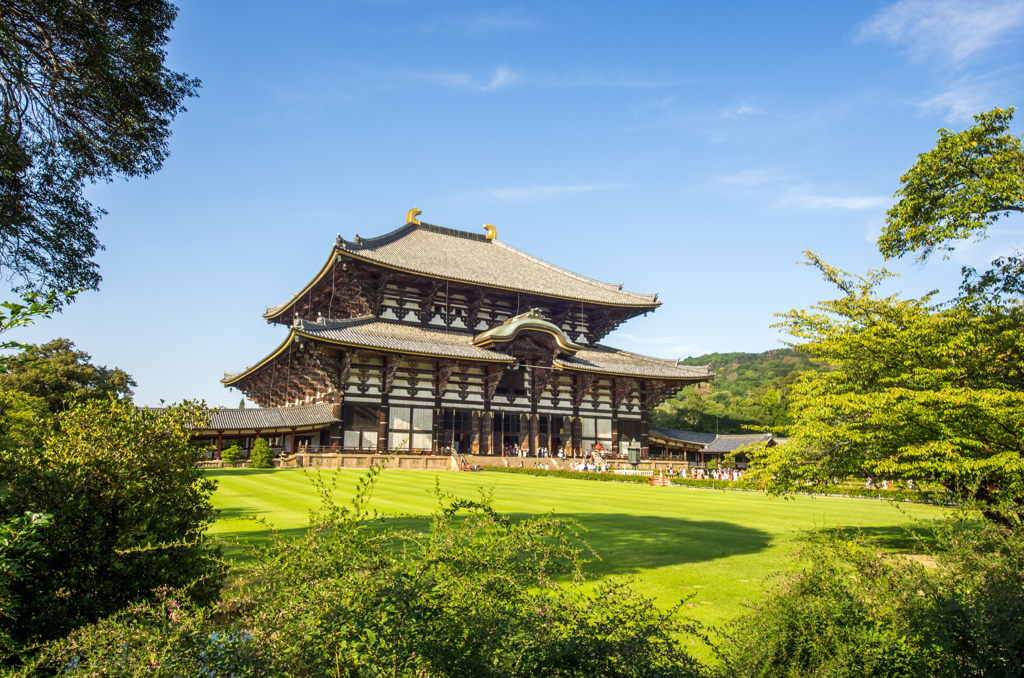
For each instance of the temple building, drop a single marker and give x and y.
(429, 339)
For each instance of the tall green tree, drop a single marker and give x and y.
(924, 391)
(59, 374)
(958, 189)
(84, 97)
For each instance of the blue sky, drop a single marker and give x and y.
(689, 149)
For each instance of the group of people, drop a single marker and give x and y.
(730, 474)
(542, 452)
(871, 483)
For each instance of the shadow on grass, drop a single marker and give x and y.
(626, 544)
(899, 538)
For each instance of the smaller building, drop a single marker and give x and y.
(288, 430)
(702, 449)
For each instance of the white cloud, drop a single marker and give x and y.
(954, 29)
(527, 193)
(502, 78)
(501, 21)
(742, 109)
(807, 201)
(962, 101)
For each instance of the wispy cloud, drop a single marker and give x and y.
(953, 29)
(502, 78)
(809, 201)
(741, 110)
(963, 99)
(506, 20)
(529, 193)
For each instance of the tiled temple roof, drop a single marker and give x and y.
(450, 254)
(265, 418)
(731, 443)
(608, 360)
(271, 417)
(682, 436)
(396, 337)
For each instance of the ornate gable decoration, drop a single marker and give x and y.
(531, 323)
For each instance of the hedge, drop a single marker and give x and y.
(890, 495)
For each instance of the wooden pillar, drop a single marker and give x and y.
(615, 431)
(487, 425)
(534, 423)
(474, 433)
(577, 434)
(534, 429)
(576, 428)
(486, 432)
(295, 442)
(644, 441)
(337, 434)
(382, 425)
(550, 442)
(220, 441)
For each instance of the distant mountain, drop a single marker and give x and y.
(749, 390)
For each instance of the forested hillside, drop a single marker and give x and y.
(750, 389)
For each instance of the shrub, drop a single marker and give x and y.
(230, 455)
(17, 543)
(474, 595)
(262, 456)
(857, 612)
(129, 508)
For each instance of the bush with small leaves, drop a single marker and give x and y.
(262, 456)
(230, 455)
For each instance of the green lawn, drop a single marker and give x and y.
(675, 541)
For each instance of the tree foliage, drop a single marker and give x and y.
(129, 511)
(921, 392)
(85, 96)
(958, 189)
(750, 390)
(60, 374)
(924, 391)
(473, 593)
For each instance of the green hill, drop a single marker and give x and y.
(749, 390)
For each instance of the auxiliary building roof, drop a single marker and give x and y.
(450, 254)
(271, 417)
(395, 337)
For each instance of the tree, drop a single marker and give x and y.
(58, 373)
(25, 421)
(130, 509)
(85, 97)
(262, 456)
(923, 391)
(958, 189)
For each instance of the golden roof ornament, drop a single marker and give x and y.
(492, 232)
(410, 216)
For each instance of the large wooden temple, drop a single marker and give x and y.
(429, 339)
